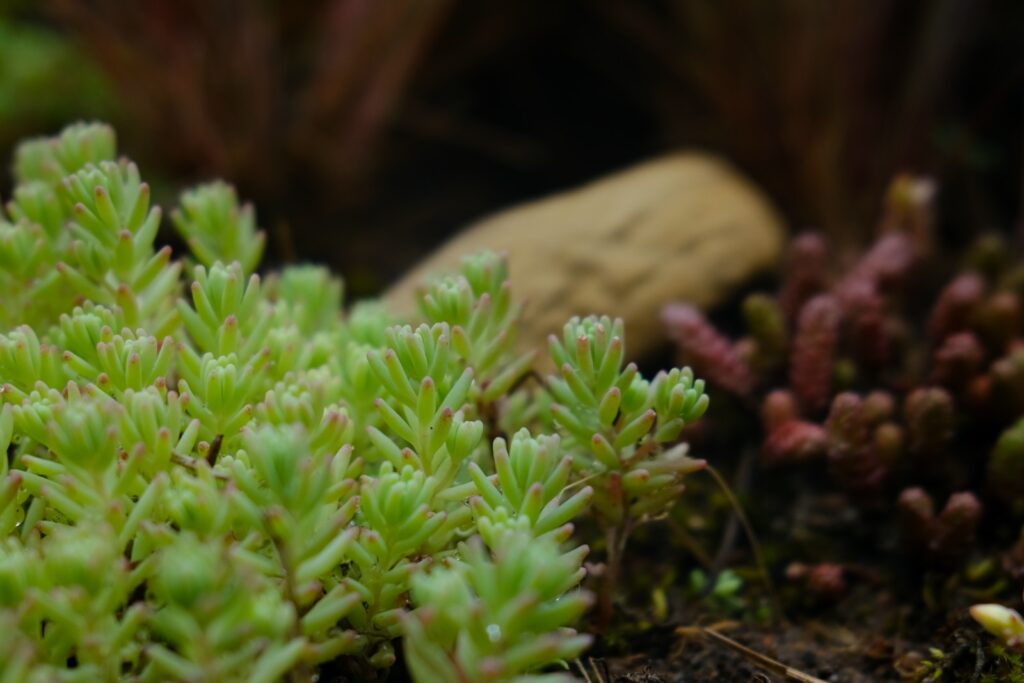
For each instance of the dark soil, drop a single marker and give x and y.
(857, 641)
(889, 618)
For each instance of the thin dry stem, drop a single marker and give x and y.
(755, 544)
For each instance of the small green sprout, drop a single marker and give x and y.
(498, 615)
(50, 160)
(216, 228)
(530, 485)
(477, 304)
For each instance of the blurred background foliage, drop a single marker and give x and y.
(368, 131)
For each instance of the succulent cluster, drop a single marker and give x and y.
(910, 391)
(236, 480)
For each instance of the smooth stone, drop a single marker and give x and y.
(683, 227)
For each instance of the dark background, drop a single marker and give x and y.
(367, 131)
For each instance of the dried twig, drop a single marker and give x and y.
(772, 665)
(740, 517)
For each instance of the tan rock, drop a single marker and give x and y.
(681, 227)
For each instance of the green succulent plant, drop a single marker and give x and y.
(621, 428)
(498, 612)
(238, 480)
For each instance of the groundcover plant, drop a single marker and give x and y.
(211, 476)
(905, 377)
